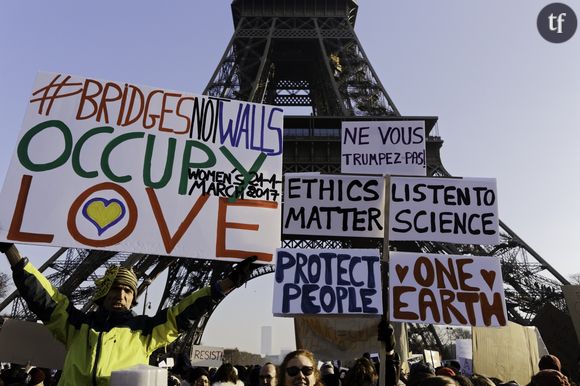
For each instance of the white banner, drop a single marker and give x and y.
(383, 147)
(446, 289)
(452, 210)
(116, 166)
(206, 356)
(327, 282)
(333, 205)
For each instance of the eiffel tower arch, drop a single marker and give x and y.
(303, 55)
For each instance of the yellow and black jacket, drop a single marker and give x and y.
(100, 342)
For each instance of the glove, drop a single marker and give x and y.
(386, 335)
(241, 272)
(4, 247)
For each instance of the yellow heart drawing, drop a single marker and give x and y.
(104, 215)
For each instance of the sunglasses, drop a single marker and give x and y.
(294, 370)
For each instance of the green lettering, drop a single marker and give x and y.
(22, 150)
(246, 173)
(109, 149)
(76, 153)
(168, 163)
(186, 164)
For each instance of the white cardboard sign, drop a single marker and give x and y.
(453, 210)
(327, 282)
(383, 147)
(20, 342)
(446, 289)
(333, 205)
(464, 355)
(116, 166)
(207, 356)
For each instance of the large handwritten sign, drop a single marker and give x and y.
(445, 289)
(333, 205)
(386, 147)
(116, 166)
(320, 281)
(462, 211)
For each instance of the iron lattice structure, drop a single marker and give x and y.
(305, 54)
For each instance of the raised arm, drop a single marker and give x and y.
(167, 324)
(11, 253)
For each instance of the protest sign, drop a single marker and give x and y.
(464, 355)
(345, 338)
(462, 211)
(432, 357)
(333, 205)
(385, 147)
(572, 296)
(327, 282)
(206, 356)
(557, 332)
(20, 341)
(446, 289)
(115, 166)
(510, 352)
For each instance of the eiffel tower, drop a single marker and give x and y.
(305, 55)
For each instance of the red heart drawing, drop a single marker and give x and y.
(489, 277)
(401, 272)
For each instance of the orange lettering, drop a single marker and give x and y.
(165, 110)
(85, 97)
(15, 233)
(103, 105)
(222, 225)
(135, 92)
(171, 241)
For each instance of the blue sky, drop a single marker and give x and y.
(508, 102)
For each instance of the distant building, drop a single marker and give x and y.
(266, 347)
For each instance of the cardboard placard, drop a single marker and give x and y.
(446, 289)
(383, 147)
(327, 282)
(333, 205)
(464, 355)
(206, 356)
(462, 211)
(507, 353)
(346, 338)
(20, 342)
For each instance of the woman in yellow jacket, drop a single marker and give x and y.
(112, 337)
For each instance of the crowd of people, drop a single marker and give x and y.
(300, 368)
(112, 338)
